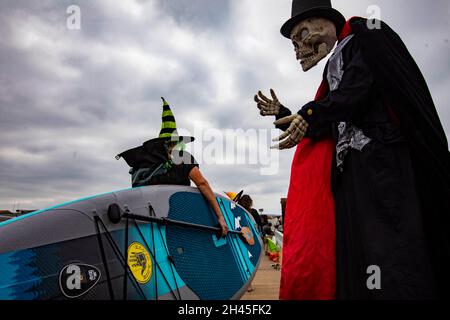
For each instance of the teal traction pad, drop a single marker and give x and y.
(215, 269)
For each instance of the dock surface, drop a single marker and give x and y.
(266, 282)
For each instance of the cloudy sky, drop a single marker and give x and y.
(70, 100)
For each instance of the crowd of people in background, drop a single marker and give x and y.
(266, 227)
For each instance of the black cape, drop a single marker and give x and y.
(407, 93)
(148, 161)
(148, 155)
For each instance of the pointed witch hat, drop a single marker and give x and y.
(169, 127)
(154, 150)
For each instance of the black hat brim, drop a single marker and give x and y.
(319, 12)
(185, 139)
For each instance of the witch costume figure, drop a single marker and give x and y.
(163, 160)
(368, 208)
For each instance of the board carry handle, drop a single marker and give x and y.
(115, 215)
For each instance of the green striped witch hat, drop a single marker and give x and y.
(169, 126)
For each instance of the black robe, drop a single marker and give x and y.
(393, 197)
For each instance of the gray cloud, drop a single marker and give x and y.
(198, 14)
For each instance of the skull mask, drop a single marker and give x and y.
(313, 40)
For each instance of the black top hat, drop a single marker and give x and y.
(304, 9)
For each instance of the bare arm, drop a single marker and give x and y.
(203, 185)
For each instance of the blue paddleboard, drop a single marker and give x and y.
(80, 250)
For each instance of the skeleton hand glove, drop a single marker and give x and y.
(268, 107)
(294, 134)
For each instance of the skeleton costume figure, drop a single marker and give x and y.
(370, 179)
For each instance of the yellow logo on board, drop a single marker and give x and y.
(139, 262)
